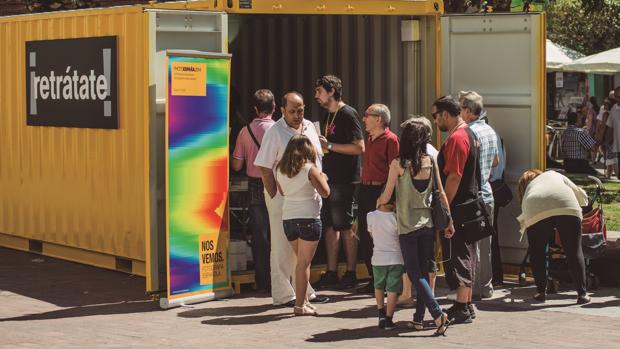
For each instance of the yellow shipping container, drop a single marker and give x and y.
(76, 188)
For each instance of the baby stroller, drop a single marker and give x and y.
(593, 242)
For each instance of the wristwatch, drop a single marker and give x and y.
(329, 146)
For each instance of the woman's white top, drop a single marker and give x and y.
(301, 200)
(550, 194)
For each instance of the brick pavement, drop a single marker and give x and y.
(55, 304)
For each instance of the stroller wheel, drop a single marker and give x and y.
(592, 281)
(522, 279)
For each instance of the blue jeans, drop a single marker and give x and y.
(418, 249)
(259, 225)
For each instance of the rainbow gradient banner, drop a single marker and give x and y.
(197, 177)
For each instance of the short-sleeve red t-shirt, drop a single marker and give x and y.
(455, 151)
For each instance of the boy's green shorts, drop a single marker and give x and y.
(388, 277)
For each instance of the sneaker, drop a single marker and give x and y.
(460, 315)
(328, 279)
(583, 299)
(368, 288)
(319, 299)
(486, 293)
(450, 310)
(382, 318)
(472, 310)
(389, 324)
(348, 280)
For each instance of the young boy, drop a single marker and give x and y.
(387, 262)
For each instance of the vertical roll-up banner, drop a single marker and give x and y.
(197, 227)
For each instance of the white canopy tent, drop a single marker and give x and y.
(558, 57)
(606, 62)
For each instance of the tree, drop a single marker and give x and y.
(471, 6)
(586, 26)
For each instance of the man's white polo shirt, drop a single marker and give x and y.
(277, 137)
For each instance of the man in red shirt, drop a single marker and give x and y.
(381, 148)
(457, 162)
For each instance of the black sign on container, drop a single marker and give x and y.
(72, 83)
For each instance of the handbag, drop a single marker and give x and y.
(439, 213)
(472, 220)
(502, 195)
(471, 217)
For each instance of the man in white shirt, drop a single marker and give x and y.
(613, 121)
(272, 148)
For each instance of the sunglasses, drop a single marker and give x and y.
(435, 114)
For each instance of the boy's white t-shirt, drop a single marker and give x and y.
(386, 250)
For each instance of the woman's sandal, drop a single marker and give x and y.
(414, 325)
(304, 311)
(310, 305)
(442, 327)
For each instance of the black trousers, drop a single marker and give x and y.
(496, 255)
(579, 166)
(367, 202)
(540, 234)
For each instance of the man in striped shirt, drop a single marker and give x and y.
(576, 145)
(471, 109)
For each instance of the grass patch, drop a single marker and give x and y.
(610, 198)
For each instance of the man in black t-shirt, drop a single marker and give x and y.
(343, 143)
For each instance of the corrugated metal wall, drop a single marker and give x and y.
(84, 188)
(289, 52)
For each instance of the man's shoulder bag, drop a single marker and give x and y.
(471, 217)
(502, 195)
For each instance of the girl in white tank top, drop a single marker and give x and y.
(302, 185)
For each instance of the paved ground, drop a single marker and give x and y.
(56, 304)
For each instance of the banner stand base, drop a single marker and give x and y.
(166, 303)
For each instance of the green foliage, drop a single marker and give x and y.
(470, 6)
(587, 26)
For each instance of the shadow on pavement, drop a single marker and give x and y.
(83, 290)
(340, 335)
(248, 320)
(519, 299)
(228, 311)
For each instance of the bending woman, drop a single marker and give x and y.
(411, 174)
(302, 185)
(550, 201)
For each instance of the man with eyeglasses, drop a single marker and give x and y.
(471, 109)
(343, 142)
(381, 148)
(283, 259)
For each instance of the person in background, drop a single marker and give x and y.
(381, 148)
(412, 176)
(302, 185)
(576, 145)
(283, 259)
(604, 138)
(471, 109)
(246, 148)
(497, 174)
(613, 122)
(550, 202)
(387, 262)
(343, 144)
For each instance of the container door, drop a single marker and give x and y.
(502, 57)
(204, 31)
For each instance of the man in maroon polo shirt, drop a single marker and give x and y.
(381, 149)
